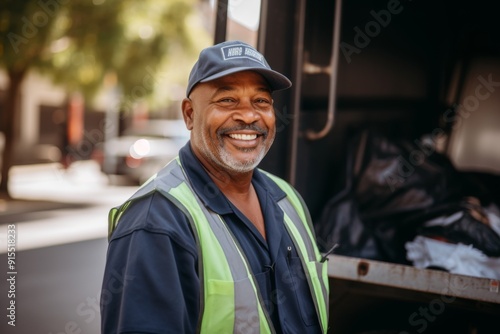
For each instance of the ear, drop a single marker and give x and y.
(188, 113)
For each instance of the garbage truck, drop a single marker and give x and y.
(391, 133)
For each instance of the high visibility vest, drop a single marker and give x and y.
(231, 299)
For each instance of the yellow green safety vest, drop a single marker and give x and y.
(231, 298)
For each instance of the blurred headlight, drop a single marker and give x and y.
(140, 149)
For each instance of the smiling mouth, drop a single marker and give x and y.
(243, 136)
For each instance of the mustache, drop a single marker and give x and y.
(251, 127)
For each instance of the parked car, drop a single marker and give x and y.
(28, 154)
(143, 149)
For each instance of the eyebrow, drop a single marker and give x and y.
(229, 88)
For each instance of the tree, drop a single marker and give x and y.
(80, 42)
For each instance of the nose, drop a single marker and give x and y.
(246, 112)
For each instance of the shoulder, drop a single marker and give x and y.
(154, 213)
(276, 184)
(279, 185)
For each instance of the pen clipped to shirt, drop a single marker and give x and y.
(330, 251)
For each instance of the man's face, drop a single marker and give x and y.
(232, 121)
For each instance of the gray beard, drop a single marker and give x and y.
(226, 161)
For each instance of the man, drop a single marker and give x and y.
(211, 244)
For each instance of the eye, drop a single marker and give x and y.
(263, 102)
(226, 100)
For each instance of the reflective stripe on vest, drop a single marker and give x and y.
(231, 299)
(299, 226)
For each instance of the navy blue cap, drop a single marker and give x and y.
(230, 57)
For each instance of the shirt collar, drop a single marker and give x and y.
(208, 192)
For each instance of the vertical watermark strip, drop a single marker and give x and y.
(11, 274)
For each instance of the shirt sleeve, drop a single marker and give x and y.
(151, 284)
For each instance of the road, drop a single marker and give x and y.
(60, 249)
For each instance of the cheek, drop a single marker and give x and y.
(207, 125)
(216, 120)
(270, 121)
(201, 122)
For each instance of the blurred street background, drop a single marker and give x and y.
(61, 223)
(90, 95)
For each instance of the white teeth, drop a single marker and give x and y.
(240, 136)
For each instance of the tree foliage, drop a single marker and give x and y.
(78, 43)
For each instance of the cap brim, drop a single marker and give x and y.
(276, 80)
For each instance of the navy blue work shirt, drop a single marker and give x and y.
(151, 281)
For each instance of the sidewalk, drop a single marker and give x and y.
(15, 207)
(37, 188)
(54, 206)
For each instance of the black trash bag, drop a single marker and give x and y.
(401, 179)
(400, 186)
(471, 228)
(392, 188)
(340, 222)
(342, 225)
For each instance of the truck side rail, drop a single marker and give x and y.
(415, 279)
